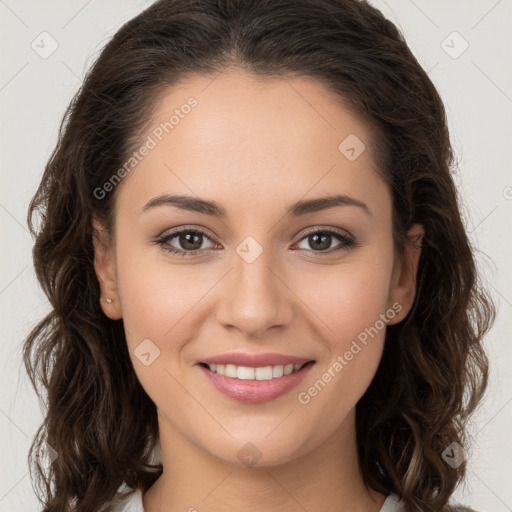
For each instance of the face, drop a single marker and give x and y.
(260, 273)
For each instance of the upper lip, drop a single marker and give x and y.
(254, 360)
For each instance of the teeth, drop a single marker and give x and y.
(250, 373)
(231, 371)
(277, 371)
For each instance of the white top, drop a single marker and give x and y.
(133, 503)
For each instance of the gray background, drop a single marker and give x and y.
(476, 86)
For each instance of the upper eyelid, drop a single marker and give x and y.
(177, 231)
(337, 231)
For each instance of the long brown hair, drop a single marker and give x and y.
(99, 420)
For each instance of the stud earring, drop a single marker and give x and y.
(108, 301)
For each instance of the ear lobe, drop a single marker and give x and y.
(403, 281)
(104, 266)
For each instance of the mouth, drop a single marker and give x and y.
(269, 372)
(255, 384)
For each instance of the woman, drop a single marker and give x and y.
(256, 263)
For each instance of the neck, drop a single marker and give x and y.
(326, 478)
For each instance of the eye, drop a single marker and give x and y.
(189, 239)
(321, 239)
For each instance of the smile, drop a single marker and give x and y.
(254, 385)
(251, 373)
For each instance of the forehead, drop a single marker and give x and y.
(240, 139)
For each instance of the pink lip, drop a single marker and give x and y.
(256, 391)
(254, 360)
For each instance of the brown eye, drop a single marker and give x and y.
(321, 240)
(187, 241)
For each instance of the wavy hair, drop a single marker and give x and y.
(434, 370)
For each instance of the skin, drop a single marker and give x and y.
(255, 146)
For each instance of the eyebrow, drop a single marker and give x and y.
(302, 207)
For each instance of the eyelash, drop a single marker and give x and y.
(347, 244)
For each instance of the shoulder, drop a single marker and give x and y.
(393, 504)
(127, 499)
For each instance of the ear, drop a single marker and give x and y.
(403, 279)
(104, 266)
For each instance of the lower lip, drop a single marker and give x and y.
(255, 391)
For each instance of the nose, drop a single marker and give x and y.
(255, 296)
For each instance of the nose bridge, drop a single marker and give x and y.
(256, 298)
(252, 264)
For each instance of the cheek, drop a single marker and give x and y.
(347, 298)
(157, 303)
(350, 303)
(156, 296)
